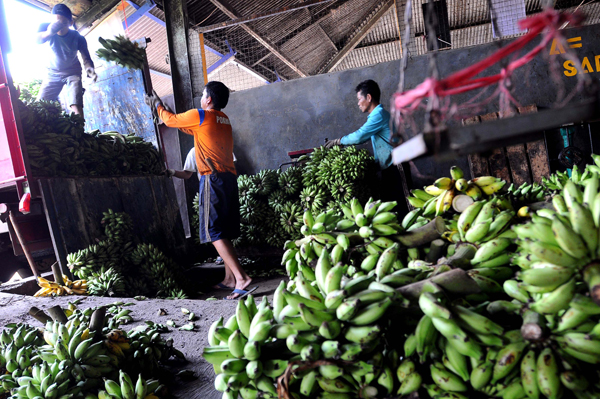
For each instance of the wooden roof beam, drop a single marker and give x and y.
(358, 37)
(226, 8)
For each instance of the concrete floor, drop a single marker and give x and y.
(14, 308)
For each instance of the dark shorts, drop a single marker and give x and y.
(53, 85)
(391, 188)
(219, 207)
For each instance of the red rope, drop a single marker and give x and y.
(463, 80)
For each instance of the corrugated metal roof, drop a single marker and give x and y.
(384, 30)
(369, 55)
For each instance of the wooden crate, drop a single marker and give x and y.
(520, 163)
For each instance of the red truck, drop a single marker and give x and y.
(18, 196)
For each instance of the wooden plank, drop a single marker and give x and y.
(53, 225)
(176, 223)
(162, 207)
(517, 156)
(498, 164)
(97, 195)
(478, 164)
(139, 204)
(519, 166)
(170, 220)
(497, 158)
(537, 152)
(71, 219)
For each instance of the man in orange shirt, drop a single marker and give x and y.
(219, 202)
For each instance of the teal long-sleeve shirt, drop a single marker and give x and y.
(377, 128)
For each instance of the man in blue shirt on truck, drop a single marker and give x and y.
(376, 128)
(63, 66)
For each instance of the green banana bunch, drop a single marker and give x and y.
(559, 245)
(70, 361)
(527, 193)
(122, 51)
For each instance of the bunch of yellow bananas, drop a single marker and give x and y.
(51, 288)
(437, 198)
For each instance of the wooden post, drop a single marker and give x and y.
(203, 56)
(23, 244)
(58, 276)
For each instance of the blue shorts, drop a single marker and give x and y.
(219, 207)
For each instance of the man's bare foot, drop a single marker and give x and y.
(240, 285)
(225, 285)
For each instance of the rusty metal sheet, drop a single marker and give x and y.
(478, 165)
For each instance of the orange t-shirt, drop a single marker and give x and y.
(212, 133)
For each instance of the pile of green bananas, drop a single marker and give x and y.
(122, 51)
(107, 283)
(437, 198)
(57, 145)
(162, 275)
(85, 262)
(272, 202)
(349, 324)
(118, 267)
(360, 239)
(68, 360)
(343, 336)
(339, 174)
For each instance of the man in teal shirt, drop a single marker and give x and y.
(376, 128)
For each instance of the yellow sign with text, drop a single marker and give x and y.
(587, 65)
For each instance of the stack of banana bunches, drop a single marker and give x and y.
(57, 145)
(71, 360)
(496, 295)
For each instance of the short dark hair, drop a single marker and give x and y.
(369, 87)
(219, 93)
(61, 9)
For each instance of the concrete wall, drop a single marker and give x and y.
(269, 121)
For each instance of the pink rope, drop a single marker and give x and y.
(464, 80)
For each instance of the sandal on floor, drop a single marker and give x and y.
(243, 293)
